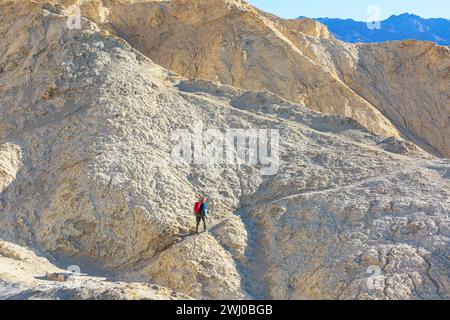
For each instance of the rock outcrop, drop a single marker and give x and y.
(86, 175)
(25, 275)
(391, 89)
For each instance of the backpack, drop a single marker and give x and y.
(197, 207)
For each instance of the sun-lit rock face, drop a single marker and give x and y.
(388, 88)
(86, 172)
(25, 274)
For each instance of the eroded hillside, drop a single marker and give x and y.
(392, 88)
(87, 175)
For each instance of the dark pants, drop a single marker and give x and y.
(199, 217)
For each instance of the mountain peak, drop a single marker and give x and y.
(404, 16)
(405, 26)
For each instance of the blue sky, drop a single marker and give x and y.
(355, 9)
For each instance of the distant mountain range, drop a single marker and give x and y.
(401, 27)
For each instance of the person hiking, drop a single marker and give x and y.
(200, 209)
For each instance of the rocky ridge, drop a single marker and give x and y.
(392, 89)
(86, 175)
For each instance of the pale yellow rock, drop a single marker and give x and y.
(10, 157)
(391, 89)
(198, 258)
(24, 274)
(87, 175)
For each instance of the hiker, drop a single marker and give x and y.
(200, 209)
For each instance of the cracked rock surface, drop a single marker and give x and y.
(392, 89)
(87, 179)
